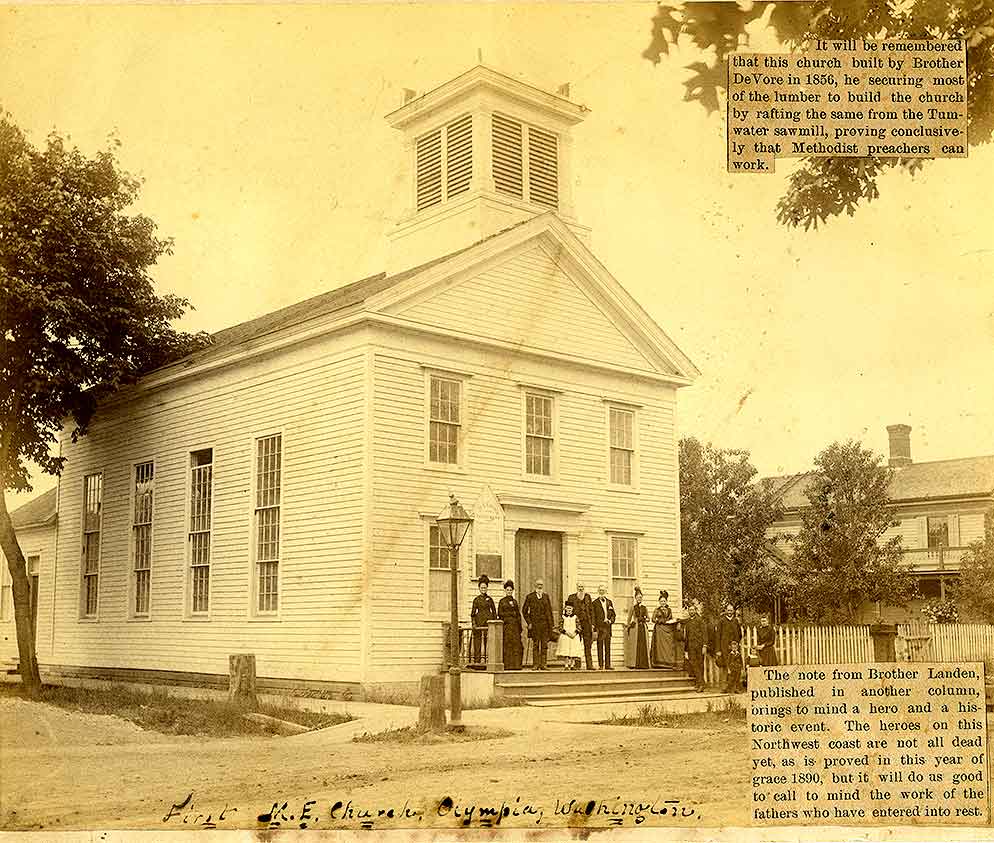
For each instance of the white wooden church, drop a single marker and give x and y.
(276, 492)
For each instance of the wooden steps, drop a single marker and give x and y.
(562, 687)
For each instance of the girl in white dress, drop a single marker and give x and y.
(570, 646)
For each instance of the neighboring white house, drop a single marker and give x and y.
(275, 492)
(940, 508)
(34, 523)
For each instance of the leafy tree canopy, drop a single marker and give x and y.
(825, 187)
(841, 558)
(80, 315)
(724, 517)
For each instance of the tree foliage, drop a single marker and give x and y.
(975, 591)
(825, 187)
(80, 316)
(841, 558)
(724, 517)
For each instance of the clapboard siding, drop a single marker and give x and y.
(317, 633)
(40, 542)
(539, 306)
(405, 640)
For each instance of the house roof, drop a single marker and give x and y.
(37, 511)
(966, 477)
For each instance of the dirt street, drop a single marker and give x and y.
(70, 771)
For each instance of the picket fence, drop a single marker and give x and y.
(807, 645)
(918, 642)
(946, 642)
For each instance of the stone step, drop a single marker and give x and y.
(619, 686)
(619, 700)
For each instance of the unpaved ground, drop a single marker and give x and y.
(83, 772)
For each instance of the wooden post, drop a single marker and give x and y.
(241, 680)
(447, 648)
(431, 717)
(495, 645)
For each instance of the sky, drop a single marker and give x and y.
(259, 133)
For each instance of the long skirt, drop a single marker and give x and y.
(637, 647)
(664, 646)
(513, 649)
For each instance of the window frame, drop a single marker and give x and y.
(943, 522)
(133, 613)
(255, 613)
(188, 611)
(462, 450)
(553, 397)
(621, 535)
(437, 614)
(83, 614)
(609, 408)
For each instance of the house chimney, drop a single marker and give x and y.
(900, 445)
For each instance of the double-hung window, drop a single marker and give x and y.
(268, 499)
(141, 538)
(92, 521)
(539, 434)
(199, 535)
(444, 420)
(621, 447)
(441, 561)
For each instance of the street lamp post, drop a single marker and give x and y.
(453, 524)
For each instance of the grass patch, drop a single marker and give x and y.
(413, 735)
(731, 713)
(157, 711)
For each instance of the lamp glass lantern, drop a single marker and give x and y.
(453, 524)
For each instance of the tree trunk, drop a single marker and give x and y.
(241, 680)
(431, 717)
(21, 591)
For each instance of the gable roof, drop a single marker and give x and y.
(372, 296)
(38, 511)
(960, 478)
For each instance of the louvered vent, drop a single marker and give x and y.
(459, 156)
(543, 167)
(507, 152)
(429, 169)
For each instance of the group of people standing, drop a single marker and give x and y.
(673, 643)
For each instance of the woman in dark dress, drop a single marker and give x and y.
(509, 612)
(637, 655)
(766, 638)
(663, 639)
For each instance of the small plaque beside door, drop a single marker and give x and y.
(489, 564)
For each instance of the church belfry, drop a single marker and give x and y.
(485, 151)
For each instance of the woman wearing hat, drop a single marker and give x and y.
(483, 612)
(637, 651)
(663, 634)
(509, 612)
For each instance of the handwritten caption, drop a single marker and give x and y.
(445, 812)
(852, 98)
(868, 745)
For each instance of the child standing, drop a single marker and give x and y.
(570, 646)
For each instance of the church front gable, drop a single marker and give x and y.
(530, 301)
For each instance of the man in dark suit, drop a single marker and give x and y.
(537, 612)
(603, 617)
(728, 654)
(483, 612)
(584, 611)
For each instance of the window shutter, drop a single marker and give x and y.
(543, 167)
(459, 155)
(954, 538)
(507, 155)
(922, 531)
(429, 169)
